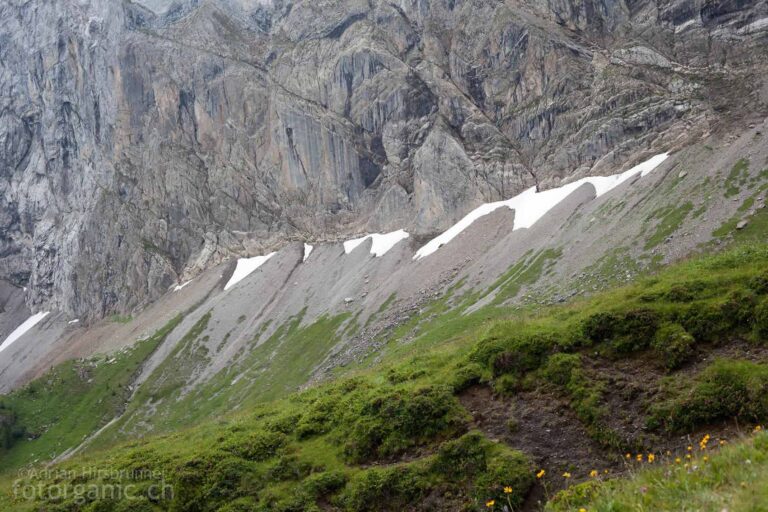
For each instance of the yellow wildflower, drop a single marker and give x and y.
(566, 475)
(677, 460)
(490, 503)
(639, 457)
(593, 473)
(651, 458)
(628, 456)
(582, 509)
(541, 474)
(507, 490)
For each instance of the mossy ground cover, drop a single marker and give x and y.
(57, 411)
(269, 369)
(730, 477)
(394, 435)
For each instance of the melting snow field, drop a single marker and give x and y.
(244, 267)
(23, 328)
(381, 243)
(307, 250)
(530, 205)
(180, 286)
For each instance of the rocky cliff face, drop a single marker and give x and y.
(144, 141)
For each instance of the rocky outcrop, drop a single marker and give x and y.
(145, 141)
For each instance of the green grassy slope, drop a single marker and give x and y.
(712, 480)
(59, 410)
(635, 368)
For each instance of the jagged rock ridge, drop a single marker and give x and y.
(143, 143)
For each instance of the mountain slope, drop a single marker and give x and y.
(206, 129)
(632, 369)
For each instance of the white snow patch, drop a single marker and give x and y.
(530, 205)
(23, 328)
(685, 25)
(307, 250)
(180, 286)
(381, 243)
(755, 26)
(244, 267)
(76, 320)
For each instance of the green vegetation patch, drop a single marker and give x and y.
(58, 411)
(737, 178)
(729, 478)
(669, 218)
(725, 390)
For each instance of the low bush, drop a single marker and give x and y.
(626, 332)
(462, 458)
(382, 424)
(389, 489)
(759, 283)
(705, 322)
(761, 320)
(560, 367)
(255, 445)
(506, 468)
(673, 345)
(684, 292)
(285, 423)
(505, 349)
(466, 376)
(725, 390)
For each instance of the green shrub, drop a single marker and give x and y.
(390, 489)
(683, 292)
(318, 417)
(576, 495)
(635, 330)
(505, 468)
(507, 384)
(257, 445)
(285, 424)
(462, 458)
(725, 390)
(509, 347)
(524, 353)
(560, 367)
(673, 345)
(288, 467)
(705, 322)
(739, 311)
(189, 480)
(230, 478)
(759, 283)
(245, 504)
(466, 376)
(386, 423)
(7, 428)
(322, 484)
(761, 320)
(600, 327)
(626, 332)
(405, 373)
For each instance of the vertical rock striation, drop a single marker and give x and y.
(143, 141)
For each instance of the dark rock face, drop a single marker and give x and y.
(142, 143)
